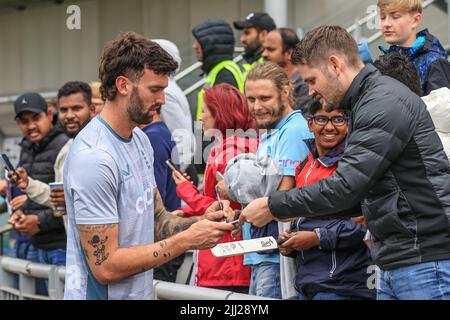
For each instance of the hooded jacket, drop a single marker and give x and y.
(430, 60)
(217, 41)
(39, 160)
(176, 113)
(395, 164)
(339, 265)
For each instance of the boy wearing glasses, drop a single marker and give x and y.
(332, 259)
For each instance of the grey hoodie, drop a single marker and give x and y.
(175, 113)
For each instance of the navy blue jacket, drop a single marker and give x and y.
(163, 147)
(339, 265)
(430, 60)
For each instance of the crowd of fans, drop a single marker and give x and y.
(344, 159)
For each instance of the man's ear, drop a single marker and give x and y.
(123, 85)
(336, 64)
(262, 36)
(285, 94)
(91, 111)
(50, 114)
(288, 55)
(310, 123)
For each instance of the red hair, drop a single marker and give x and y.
(228, 106)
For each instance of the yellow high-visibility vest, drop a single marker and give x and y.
(211, 80)
(249, 66)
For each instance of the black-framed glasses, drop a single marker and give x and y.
(337, 121)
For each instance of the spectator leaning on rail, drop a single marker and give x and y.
(115, 210)
(75, 112)
(394, 163)
(40, 148)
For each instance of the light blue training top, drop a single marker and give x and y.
(108, 180)
(286, 147)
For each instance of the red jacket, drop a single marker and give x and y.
(313, 169)
(212, 271)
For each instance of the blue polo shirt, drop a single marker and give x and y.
(286, 147)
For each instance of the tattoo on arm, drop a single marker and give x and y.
(97, 240)
(99, 245)
(166, 224)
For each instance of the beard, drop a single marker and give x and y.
(252, 47)
(333, 93)
(276, 116)
(137, 112)
(73, 134)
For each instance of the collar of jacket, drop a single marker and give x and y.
(425, 42)
(210, 62)
(355, 90)
(331, 157)
(250, 58)
(27, 144)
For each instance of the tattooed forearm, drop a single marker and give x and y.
(97, 239)
(166, 224)
(99, 245)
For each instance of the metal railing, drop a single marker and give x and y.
(18, 282)
(3, 230)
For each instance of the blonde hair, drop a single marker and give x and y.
(95, 87)
(411, 6)
(273, 72)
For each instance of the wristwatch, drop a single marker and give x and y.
(317, 231)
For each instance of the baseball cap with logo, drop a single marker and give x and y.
(30, 101)
(259, 20)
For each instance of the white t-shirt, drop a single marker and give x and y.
(108, 180)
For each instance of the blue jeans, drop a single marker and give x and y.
(265, 281)
(25, 250)
(424, 281)
(55, 256)
(325, 296)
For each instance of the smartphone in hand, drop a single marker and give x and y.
(172, 166)
(219, 176)
(7, 163)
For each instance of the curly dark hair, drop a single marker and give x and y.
(398, 66)
(72, 87)
(315, 105)
(128, 56)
